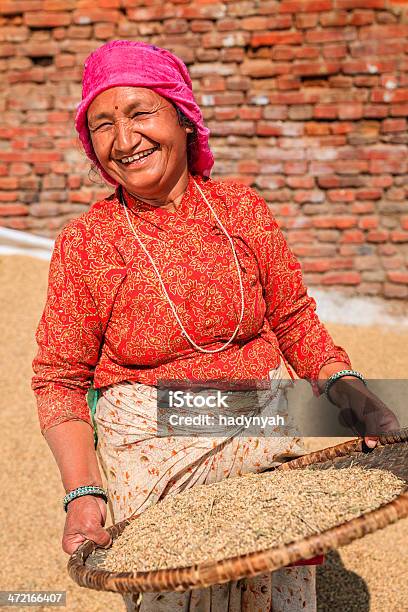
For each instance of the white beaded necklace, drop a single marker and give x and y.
(184, 332)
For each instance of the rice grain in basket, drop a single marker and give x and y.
(247, 513)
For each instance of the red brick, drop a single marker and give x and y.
(343, 127)
(103, 31)
(315, 68)
(398, 277)
(282, 53)
(13, 209)
(334, 18)
(249, 113)
(254, 23)
(294, 97)
(385, 95)
(27, 156)
(300, 182)
(341, 195)
(304, 52)
(369, 194)
(341, 278)
(65, 60)
(306, 20)
(227, 39)
(360, 18)
(19, 169)
(337, 222)
(366, 262)
(59, 5)
(395, 291)
(369, 66)
(378, 166)
(380, 32)
(87, 16)
(196, 11)
(314, 250)
(305, 6)
(201, 25)
(326, 111)
(300, 236)
(377, 236)
(394, 125)
(213, 83)
(248, 166)
(224, 128)
(330, 35)
(387, 249)
(313, 128)
(318, 265)
(8, 182)
(398, 110)
(404, 222)
(259, 68)
(398, 236)
(286, 83)
(12, 7)
(226, 114)
(368, 223)
(392, 263)
(276, 38)
(362, 4)
(302, 196)
(7, 50)
(331, 51)
(295, 167)
(107, 3)
(350, 166)
(375, 111)
(42, 19)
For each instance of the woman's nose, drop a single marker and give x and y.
(126, 138)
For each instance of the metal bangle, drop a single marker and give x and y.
(332, 379)
(86, 490)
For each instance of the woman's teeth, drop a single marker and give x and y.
(129, 160)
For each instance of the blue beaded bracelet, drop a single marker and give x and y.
(332, 379)
(86, 490)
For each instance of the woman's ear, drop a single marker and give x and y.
(189, 130)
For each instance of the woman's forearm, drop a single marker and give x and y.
(72, 444)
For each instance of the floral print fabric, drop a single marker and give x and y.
(142, 468)
(107, 320)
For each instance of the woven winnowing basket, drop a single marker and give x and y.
(390, 454)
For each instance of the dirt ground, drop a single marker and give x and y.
(369, 574)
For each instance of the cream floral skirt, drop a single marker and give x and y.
(141, 468)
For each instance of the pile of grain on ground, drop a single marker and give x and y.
(246, 514)
(370, 571)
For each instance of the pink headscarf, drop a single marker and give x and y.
(138, 64)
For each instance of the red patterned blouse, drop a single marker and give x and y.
(106, 318)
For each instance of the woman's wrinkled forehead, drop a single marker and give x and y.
(125, 99)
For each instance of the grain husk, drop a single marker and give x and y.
(248, 513)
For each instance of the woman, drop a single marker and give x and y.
(174, 276)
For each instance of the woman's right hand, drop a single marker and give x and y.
(85, 519)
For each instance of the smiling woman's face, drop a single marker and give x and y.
(126, 121)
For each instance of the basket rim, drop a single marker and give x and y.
(253, 563)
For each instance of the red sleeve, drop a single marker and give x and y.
(68, 337)
(303, 339)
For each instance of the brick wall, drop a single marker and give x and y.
(306, 102)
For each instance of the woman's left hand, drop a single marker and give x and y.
(362, 410)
